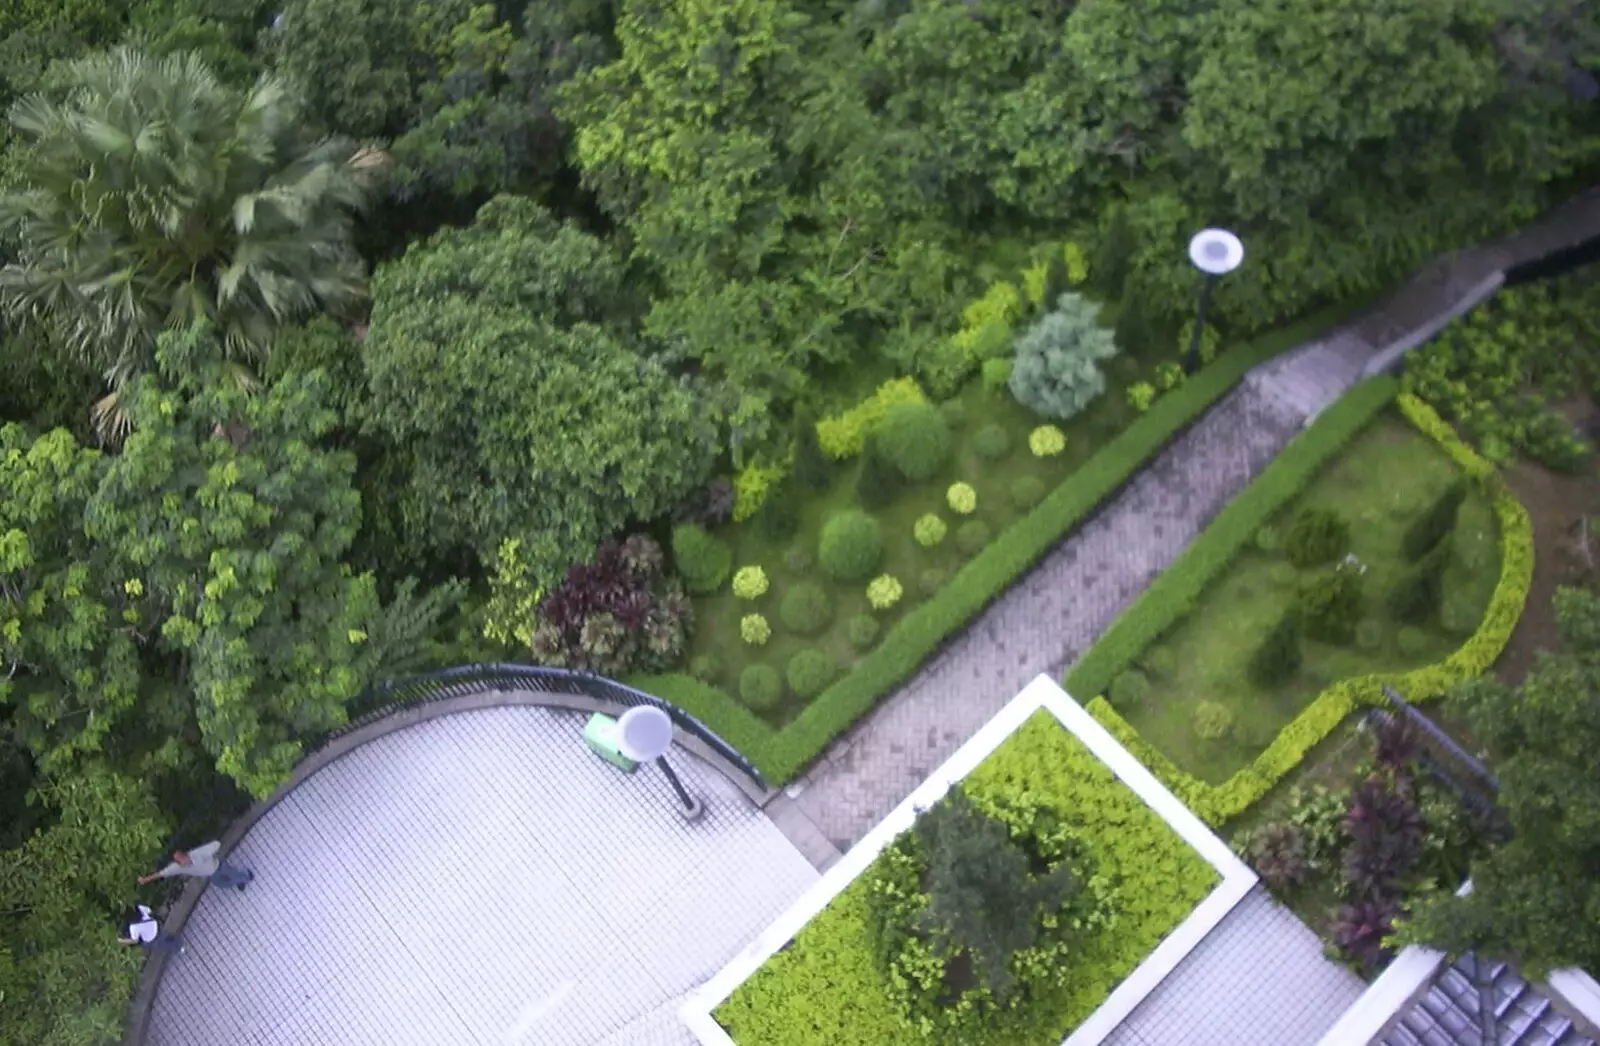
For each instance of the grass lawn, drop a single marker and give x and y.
(825, 987)
(717, 616)
(1386, 477)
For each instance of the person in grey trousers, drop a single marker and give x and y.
(203, 862)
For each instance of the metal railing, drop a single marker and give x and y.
(395, 694)
(1446, 760)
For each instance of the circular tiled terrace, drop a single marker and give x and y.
(478, 878)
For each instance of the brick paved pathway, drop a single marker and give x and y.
(1052, 615)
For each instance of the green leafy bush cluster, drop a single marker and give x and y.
(702, 560)
(845, 435)
(1217, 803)
(829, 984)
(851, 545)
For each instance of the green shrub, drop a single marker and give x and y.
(1075, 264)
(1458, 617)
(884, 592)
(1046, 441)
(844, 435)
(1128, 690)
(750, 583)
(879, 482)
(1212, 721)
(753, 629)
(760, 687)
(1416, 597)
(779, 515)
(1161, 661)
(812, 468)
(1370, 634)
(1330, 604)
(972, 536)
(1317, 537)
(851, 545)
(706, 667)
(862, 631)
(1141, 394)
(1433, 526)
(1113, 258)
(992, 442)
(931, 580)
(805, 608)
(1269, 539)
(1277, 658)
(809, 672)
(1057, 366)
(1413, 641)
(929, 529)
(702, 560)
(962, 499)
(1169, 375)
(914, 438)
(798, 559)
(1027, 491)
(1283, 574)
(1210, 341)
(955, 413)
(996, 374)
(752, 484)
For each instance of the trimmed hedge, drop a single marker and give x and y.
(1217, 803)
(782, 754)
(1175, 590)
(844, 435)
(824, 986)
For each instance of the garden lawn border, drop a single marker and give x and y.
(781, 754)
(1166, 601)
(1236, 878)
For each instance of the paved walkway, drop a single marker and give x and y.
(477, 879)
(1052, 615)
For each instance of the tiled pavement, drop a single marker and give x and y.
(1052, 615)
(477, 879)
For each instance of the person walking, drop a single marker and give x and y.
(146, 932)
(203, 863)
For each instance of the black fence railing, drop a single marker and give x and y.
(1556, 263)
(1449, 763)
(392, 695)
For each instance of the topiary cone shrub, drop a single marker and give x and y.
(1317, 537)
(1277, 659)
(1416, 597)
(1330, 604)
(1434, 525)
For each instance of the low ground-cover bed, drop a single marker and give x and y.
(1140, 880)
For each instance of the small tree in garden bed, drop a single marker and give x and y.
(1416, 597)
(1277, 659)
(1317, 537)
(1056, 371)
(1433, 526)
(1329, 605)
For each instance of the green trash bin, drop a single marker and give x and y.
(600, 735)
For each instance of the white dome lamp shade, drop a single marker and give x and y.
(644, 734)
(1215, 252)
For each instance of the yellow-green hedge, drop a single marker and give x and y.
(1217, 803)
(844, 435)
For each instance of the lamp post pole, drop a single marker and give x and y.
(1215, 252)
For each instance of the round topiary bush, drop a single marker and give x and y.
(806, 608)
(1269, 539)
(1413, 641)
(1161, 661)
(750, 583)
(929, 530)
(931, 581)
(760, 687)
(962, 499)
(884, 592)
(1316, 537)
(915, 438)
(1369, 634)
(753, 629)
(1128, 690)
(706, 667)
(862, 631)
(798, 560)
(1047, 441)
(809, 673)
(1027, 491)
(972, 536)
(1212, 722)
(702, 560)
(991, 443)
(851, 545)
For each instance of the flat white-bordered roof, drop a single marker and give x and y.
(1236, 877)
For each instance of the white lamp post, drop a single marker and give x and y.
(1215, 252)
(644, 734)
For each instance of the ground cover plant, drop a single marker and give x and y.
(906, 956)
(1293, 614)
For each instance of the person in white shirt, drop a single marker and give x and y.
(203, 862)
(146, 932)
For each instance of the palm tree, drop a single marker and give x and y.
(157, 196)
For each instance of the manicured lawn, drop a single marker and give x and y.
(1386, 477)
(825, 989)
(717, 616)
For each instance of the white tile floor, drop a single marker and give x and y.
(478, 879)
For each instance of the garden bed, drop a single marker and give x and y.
(1159, 879)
